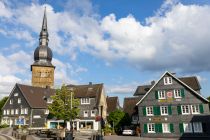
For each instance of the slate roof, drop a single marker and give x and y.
(87, 91)
(130, 104)
(181, 82)
(192, 82)
(112, 104)
(34, 95)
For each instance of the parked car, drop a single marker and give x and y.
(128, 131)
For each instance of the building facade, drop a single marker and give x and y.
(171, 108)
(42, 68)
(25, 106)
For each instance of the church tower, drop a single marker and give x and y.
(42, 68)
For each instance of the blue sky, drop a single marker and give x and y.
(120, 43)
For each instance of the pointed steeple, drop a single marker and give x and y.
(43, 37)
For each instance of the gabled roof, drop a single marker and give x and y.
(112, 104)
(35, 95)
(88, 91)
(190, 81)
(184, 84)
(130, 104)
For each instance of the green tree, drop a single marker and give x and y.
(118, 119)
(61, 105)
(2, 102)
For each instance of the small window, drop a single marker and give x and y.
(16, 94)
(16, 111)
(149, 111)
(49, 100)
(177, 93)
(167, 80)
(12, 111)
(8, 111)
(161, 95)
(86, 113)
(85, 100)
(93, 113)
(36, 116)
(11, 101)
(151, 127)
(5, 112)
(195, 109)
(197, 127)
(19, 100)
(166, 128)
(135, 118)
(46, 111)
(164, 110)
(185, 109)
(26, 110)
(22, 111)
(187, 127)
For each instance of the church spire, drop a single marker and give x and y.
(43, 37)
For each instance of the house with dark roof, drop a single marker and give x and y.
(92, 102)
(173, 107)
(129, 107)
(112, 104)
(26, 106)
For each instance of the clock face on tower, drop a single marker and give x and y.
(42, 76)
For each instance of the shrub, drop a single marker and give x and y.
(4, 125)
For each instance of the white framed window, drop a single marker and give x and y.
(22, 111)
(195, 109)
(19, 100)
(85, 113)
(164, 110)
(166, 127)
(197, 127)
(46, 111)
(16, 111)
(151, 127)
(49, 100)
(161, 94)
(5, 112)
(26, 111)
(149, 111)
(187, 127)
(11, 101)
(177, 93)
(167, 80)
(12, 111)
(185, 109)
(85, 100)
(16, 94)
(8, 111)
(93, 113)
(36, 116)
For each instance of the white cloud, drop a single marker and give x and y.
(4, 12)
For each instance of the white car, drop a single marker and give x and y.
(128, 132)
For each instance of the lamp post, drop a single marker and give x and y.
(100, 112)
(70, 136)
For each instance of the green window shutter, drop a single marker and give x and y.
(154, 110)
(201, 108)
(182, 93)
(171, 127)
(156, 127)
(144, 111)
(156, 94)
(179, 109)
(158, 110)
(181, 128)
(169, 110)
(145, 128)
(160, 128)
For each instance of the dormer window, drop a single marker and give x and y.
(167, 80)
(85, 100)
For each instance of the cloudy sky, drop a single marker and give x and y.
(120, 43)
